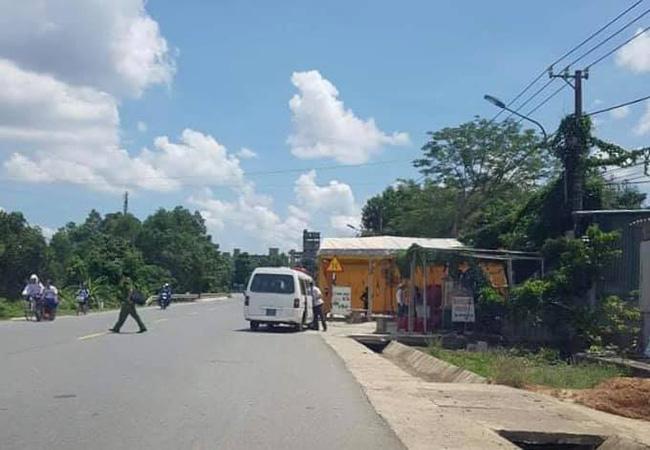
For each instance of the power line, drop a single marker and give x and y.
(584, 55)
(610, 37)
(547, 99)
(622, 105)
(567, 54)
(615, 49)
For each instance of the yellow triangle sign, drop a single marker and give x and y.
(334, 266)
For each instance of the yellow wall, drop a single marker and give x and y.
(383, 275)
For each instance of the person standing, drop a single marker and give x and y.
(128, 301)
(317, 302)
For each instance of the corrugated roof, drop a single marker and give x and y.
(382, 245)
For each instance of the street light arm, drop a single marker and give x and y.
(541, 127)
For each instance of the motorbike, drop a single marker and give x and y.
(82, 305)
(164, 299)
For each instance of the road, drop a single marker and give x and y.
(197, 380)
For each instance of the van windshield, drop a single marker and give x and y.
(272, 283)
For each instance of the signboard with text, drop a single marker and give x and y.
(341, 300)
(462, 309)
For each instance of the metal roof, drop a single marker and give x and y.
(383, 245)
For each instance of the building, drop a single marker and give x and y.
(295, 258)
(623, 277)
(310, 247)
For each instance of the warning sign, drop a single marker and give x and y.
(334, 266)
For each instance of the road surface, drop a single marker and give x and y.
(197, 380)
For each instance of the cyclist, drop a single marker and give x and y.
(33, 289)
(83, 298)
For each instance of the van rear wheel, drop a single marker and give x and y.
(254, 325)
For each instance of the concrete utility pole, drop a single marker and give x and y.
(125, 208)
(573, 162)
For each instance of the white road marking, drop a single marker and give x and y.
(94, 335)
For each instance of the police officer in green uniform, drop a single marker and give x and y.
(127, 299)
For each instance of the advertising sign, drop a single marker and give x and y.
(341, 300)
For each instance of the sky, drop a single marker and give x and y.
(273, 117)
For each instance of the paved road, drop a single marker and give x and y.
(197, 380)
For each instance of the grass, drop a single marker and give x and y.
(519, 369)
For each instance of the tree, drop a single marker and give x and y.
(177, 241)
(22, 252)
(480, 161)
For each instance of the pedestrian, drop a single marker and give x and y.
(317, 299)
(128, 300)
(364, 300)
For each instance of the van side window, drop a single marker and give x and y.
(303, 291)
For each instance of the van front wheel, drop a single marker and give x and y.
(254, 325)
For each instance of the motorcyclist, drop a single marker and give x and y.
(165, 296)
(51, 299)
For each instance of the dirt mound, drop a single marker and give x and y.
(629, 397)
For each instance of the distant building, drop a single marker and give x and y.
(274, 251)
(295, 258)
(236, 252)
(310, 247)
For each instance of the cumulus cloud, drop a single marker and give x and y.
(635, 56)
(324, 128)
(142, 126)
(257, 220)
(246, 153)
(114, 46)
(334, 200)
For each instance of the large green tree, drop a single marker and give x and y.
(22, 252)
(484, 164)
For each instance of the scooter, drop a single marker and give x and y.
(164, 299)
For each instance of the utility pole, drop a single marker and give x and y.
(573, 161)
(125, 208)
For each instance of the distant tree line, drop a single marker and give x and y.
(168, 246)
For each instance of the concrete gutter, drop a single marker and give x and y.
(475, 415)
(428, 367)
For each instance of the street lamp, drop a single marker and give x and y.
(499, 104)
(353, 228)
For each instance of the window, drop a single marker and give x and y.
(272, 283)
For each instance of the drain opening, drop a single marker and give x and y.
(376, 344)
(529, 440)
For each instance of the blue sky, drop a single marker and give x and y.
(160, 99)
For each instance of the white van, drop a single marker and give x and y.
(278, 295)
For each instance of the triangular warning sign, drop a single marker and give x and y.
(334, 266)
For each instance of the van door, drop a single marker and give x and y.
(309, 300)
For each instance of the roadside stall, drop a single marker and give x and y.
(360, 278)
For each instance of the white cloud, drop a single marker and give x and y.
(114, 46)
(620, 113)
(324, 128)
(635, 56)
(246, 153)
(643, 126)
(47, 232)
(333, 198)
(257, 221)
(142, 126)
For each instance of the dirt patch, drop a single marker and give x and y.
(628, 397)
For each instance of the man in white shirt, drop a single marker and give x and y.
(318, 302)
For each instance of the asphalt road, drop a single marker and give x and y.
(197, 380)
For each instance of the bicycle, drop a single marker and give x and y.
(34, 308)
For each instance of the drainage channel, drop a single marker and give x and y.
(528, 440)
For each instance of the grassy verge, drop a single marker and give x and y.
(519, 369)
